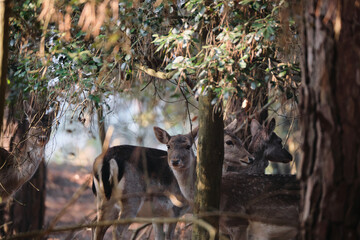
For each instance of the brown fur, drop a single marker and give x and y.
(272, 200)
(135, 172)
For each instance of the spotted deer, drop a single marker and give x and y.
(128, 177)
(20, 164)
(268, 204)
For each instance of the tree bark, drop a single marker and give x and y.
(4, 42)
(210, 155)
(32, 207)
(101, 123)
(330, 106)
(27, 211)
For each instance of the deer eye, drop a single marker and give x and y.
(229, 142)
(168, 146)
(188, 147)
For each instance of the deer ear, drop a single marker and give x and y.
(232, 126)
(161, 135)
(193, 134)
(271, 126)
(254, 127)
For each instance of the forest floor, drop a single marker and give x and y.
(65, 180)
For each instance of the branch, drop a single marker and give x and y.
(137, 230)
(34, 234)
(153, 73)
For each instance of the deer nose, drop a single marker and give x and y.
(175, 162)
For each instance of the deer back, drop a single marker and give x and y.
(272, 199)
(149, 162)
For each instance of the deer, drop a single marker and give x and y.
(20, 164)
(268, 203)
(126, 178)
(265, 146)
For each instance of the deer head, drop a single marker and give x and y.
(182, 160)
(265, 141)
(180, 154)
(234, 152)
(39, 125)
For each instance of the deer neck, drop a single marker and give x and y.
(259, 164)
(186, 180)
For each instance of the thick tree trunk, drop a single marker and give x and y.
(210, 155)
(330, 106)
(26, 212)
(4, 39)
(30, 214)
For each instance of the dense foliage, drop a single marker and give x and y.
(86, 51)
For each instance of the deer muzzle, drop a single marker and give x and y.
(247, 160)
(176, 162)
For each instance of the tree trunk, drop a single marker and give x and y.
(32, 207)
(27, 211)
(101, 123)
(209, 164)
(4, 39)
(330, 106)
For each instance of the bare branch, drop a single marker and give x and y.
(153, 73)
(34, 234)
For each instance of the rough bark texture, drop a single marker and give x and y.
(210, 155)
(330, 106)
(4, 42)
(32, 207)
(27, 211)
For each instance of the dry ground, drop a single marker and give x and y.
(63, 181)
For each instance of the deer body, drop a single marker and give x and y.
(239, 192)
(128, 176)
(269, 202)
(137, 171)
(19, 165)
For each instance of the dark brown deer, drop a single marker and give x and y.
(20, 164)
(128, 176)
(264, 200)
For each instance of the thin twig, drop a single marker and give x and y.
(73, 199)
(137, 230)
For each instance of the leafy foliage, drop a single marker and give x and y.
(240, 52)
(87, 51)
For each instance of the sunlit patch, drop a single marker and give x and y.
(244, 103)
(175, 201)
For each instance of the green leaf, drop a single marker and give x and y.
(282, 74)
(242, 64)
